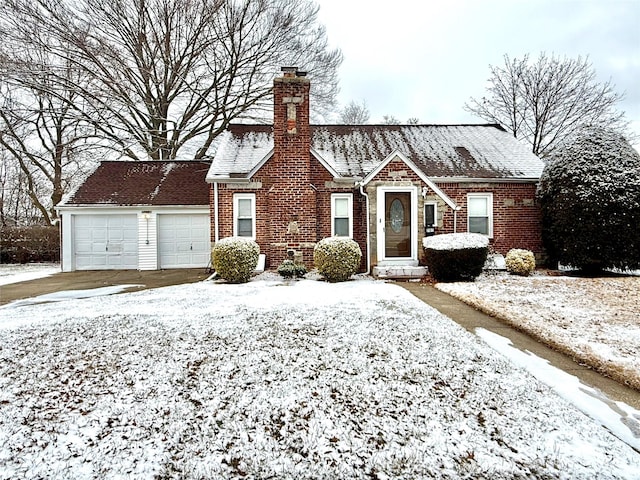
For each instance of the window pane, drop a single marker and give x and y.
(245, 227)
(341, 207)
(341, 227)
(429, 214)
(244, 207)
(477, 207)
(479, 225)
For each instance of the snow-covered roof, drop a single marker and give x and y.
(143, 183)
(440, 151)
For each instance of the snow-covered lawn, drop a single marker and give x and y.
(272, 380)
(16, 272)
(596, 320)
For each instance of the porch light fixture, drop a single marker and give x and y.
(146, 214)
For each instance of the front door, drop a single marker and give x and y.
(397, 225)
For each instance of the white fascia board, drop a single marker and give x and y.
(83, 209)
(416, 170)
(259, 165)
(485, 180)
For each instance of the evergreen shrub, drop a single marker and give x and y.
(235, 258)
(455, 257)
(291, 269)
(337, 258)
(520, 262)
(589, 194)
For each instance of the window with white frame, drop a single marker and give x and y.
(480, 213)
(342, 214)
(244, 215)
(430, 217)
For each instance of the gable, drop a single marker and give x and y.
(144, 183)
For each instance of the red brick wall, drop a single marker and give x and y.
(295, 187)
(516, 215)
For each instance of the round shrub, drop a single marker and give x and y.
(337, 258)
(520, 262)
(235, 258)
(455, 257)
(290, 269)
(589, 194)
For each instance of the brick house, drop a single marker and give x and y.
(387, 186)
(290, 184)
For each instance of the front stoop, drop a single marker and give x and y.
(399, 272)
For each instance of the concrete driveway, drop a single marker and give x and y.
(83, 280)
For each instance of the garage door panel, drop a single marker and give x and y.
(183, 240)
(105, 242)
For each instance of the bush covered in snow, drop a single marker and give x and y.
(235, 258)
(290, 269)
(590, 198)
(337, 258)
(520, 262)
(455, 256)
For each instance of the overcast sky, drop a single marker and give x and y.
(426, 58)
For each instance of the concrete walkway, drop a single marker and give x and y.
(472, 319)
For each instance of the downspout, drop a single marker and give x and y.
(216, 231)
(368, 242)
(455, 218)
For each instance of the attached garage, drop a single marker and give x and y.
(105, 242)
(138, 215)
(183, 240)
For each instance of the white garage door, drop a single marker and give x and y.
(183, 240)
(105, 242)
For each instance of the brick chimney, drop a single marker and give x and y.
(292, 199)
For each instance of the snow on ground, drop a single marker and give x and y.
(71, 294)
(16, 272)
(596, 320)
(277, 379)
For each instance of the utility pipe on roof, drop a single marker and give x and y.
(368, 240)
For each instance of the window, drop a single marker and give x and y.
(480, 213)
(244, 215)
(430, 217)
(341, 215)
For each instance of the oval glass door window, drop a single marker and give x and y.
(396, 214)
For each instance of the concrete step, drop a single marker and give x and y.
(399, 271)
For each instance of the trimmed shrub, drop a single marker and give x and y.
(290, 269)
(235, 258)
(589, 194)
(337, 258)
(455, 257)
(520, 262)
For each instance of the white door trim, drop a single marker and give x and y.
(380, 225)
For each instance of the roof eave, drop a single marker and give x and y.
(485, 179)
(126, 206)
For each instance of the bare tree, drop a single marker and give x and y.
(167, 76)
(546, 101)
(390, 120)
(355, 113)
(44, 138)
(413, 121)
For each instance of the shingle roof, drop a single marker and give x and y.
(440, 151)
(144, 183)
